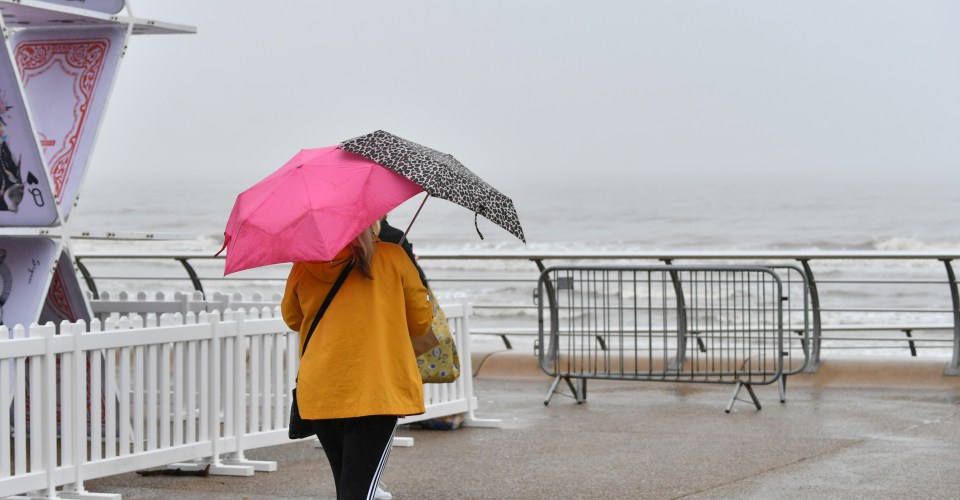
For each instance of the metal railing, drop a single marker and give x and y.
(869, 301)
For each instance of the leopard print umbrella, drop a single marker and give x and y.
(439, 174)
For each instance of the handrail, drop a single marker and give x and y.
(606, 255)
(954, 368)
(806, 258)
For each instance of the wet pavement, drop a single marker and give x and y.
(856, 429)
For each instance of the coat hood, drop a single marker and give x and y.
(327, 272)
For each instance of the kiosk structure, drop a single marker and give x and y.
(58, 64)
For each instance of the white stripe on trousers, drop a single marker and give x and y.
(372, 492)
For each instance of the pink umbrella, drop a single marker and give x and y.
(310, 208)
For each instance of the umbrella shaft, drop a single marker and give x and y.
(422, 203)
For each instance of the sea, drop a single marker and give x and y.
(557, 214)
(565, 213)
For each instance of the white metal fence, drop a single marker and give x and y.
(127, 394)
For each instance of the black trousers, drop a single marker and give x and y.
(357, 449)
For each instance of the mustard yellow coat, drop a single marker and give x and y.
(359, 360)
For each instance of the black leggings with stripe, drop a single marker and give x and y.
(357, 449)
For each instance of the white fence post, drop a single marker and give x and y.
(240, 383)
(5, 402)
(20, 404)
(466, 372)
(48, 411)
(76, 402)
(238, 318)
(214, 399)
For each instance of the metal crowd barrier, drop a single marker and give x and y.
(704, 324)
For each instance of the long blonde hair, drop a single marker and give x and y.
(363, 246)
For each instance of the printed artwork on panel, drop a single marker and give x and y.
(76, 66)
(66, 77)
(65, 300)
(25, 265)
(26, 197)
(11, 182)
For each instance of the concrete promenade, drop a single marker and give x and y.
(856, 429)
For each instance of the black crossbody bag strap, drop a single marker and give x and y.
(326, 303)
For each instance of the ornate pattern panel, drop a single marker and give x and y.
(67, 77)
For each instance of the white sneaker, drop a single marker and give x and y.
(382, 494)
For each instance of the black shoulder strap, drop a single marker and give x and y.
(326, 303)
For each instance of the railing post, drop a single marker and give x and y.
(954, 367)
(550, 355)
(194, 278)
(681, 358)
(814, 363)
(91, 284)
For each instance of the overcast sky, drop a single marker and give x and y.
(545, 89)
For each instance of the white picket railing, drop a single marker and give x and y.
(142, 303)
(194, 390)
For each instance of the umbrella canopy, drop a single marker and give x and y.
(440, 175)
(310, 208)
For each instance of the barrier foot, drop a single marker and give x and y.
(215, 469)
(402, 442)
(231, 470)
(579, 390)
(488, 423)
(258, 465)
(471, 420)
(87, 494)
(736, 391)
(783, 388)
(552, 390)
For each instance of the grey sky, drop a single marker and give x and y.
(545, 89)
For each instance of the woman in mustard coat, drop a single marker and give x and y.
(359, 372)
